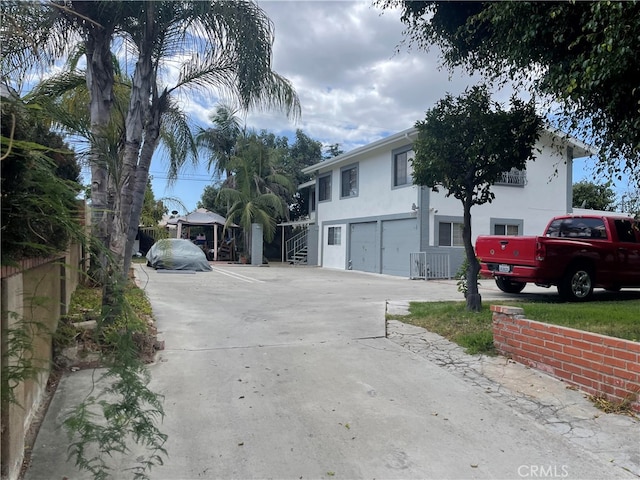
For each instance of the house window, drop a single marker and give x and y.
(506, 229)
(402, 168)
(324, 188)
(349, 177)
(334, 236)
(450, 234)
(312, 202)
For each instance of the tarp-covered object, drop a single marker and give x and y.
(177, 254)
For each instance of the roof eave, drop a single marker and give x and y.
(409, 134)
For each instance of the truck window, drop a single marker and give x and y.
(624, 229)
(554, 229)
(578, 228)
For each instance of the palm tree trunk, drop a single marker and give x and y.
(151, 139)
(100, 79)
(134, 124)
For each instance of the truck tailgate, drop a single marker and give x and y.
(508, 250)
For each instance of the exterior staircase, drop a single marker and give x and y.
(297, 248)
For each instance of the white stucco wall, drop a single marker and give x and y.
(543, 197)
(376, 197)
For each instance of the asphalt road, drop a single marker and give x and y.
(285, 373)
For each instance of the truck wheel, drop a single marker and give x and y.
(509, 286)
(577, 284)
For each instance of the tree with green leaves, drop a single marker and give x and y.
(221, 59)
(630, 202)
(211, 200)
(583, 55)
(219, 141)
(255, 192)
(40, 181)
(152, 210)
(228, 48)
(332, 150)
(593, 196)
(464, 145)
(303, 152)
(287, 159)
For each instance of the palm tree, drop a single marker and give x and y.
(219, 141)
(255, 191)
(38, 33)
(230, 46)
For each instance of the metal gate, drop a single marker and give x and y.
(425, 266)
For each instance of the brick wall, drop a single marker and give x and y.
(597, 364)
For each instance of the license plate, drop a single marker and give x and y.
(502, 268)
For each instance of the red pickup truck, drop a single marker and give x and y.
(576, 253)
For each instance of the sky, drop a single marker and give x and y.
(357, 82)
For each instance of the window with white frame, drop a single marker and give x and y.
(402, 168)
(324, 188)
(450, 234)
(349, 181)
(333, 236)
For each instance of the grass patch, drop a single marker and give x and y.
(86, 305)
(473, 330)
(453, 321)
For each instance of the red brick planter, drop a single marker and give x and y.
(597, 364)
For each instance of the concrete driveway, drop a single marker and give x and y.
(285, 373)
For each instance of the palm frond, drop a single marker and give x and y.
(212, 70)
(177, 136)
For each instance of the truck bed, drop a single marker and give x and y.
(509, 250)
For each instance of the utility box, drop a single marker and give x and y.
(256, 244)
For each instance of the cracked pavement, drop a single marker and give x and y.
(293, 373)
(550, 402)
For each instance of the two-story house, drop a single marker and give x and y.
(369, 216)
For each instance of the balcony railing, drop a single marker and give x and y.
(513, 177)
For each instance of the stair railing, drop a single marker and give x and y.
(296, 243)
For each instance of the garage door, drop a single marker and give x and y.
(363, 251)
(399, 239)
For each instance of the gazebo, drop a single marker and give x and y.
(202, 218)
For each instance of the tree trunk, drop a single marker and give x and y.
(474, 299)
(100, 79)
(134, 124)
(151, 139)
(136, 116)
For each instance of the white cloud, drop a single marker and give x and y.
(354, 81)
